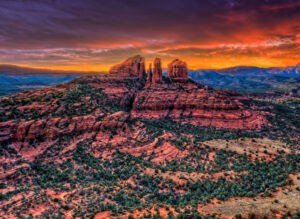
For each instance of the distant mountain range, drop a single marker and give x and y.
(10, 84)
(242, 79)
(284, 71)
(20, 70)
(14, 79)
(247, 79)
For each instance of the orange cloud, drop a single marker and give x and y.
(74, 35)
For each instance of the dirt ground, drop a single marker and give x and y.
(256, 148)
(285, 200)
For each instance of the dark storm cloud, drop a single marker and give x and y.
(72, 23)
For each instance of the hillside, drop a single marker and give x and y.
(131, 145)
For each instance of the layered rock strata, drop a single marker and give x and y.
(149, 74)
(177, 69)
(157, 71)
(134, 66)
(188, 103)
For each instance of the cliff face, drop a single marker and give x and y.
(177, 69)
(154, 75)
(149, 74)
(134, 66)
(187, 103)
(157, 70)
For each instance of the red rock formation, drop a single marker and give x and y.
(177, 69)
(48, 124)
(157, 71)
(158, 153)
(52, 128)
(134, 66)
(150, 74)
(155, 76)
(186, 103)
(183, 102)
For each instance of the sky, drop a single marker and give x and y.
(93, 35)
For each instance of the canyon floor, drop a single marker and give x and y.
(118, 147)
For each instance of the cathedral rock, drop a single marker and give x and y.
(150, 74)
(179, 99)
(177, 69)
(157, 70)
(134, 66)
(155, 75)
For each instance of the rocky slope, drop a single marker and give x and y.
(186, 102)
(109, 145)
(178, 99)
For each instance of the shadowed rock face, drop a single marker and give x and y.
(150, 74)
(154, 75)
(177, 69)
(134, 66)
(157, 70)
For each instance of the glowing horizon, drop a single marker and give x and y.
(94, 35)
(191, 66)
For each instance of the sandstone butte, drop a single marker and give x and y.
(144, 95)
(134, 66)
(184, 101)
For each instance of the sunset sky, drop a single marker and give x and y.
(95, 34)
